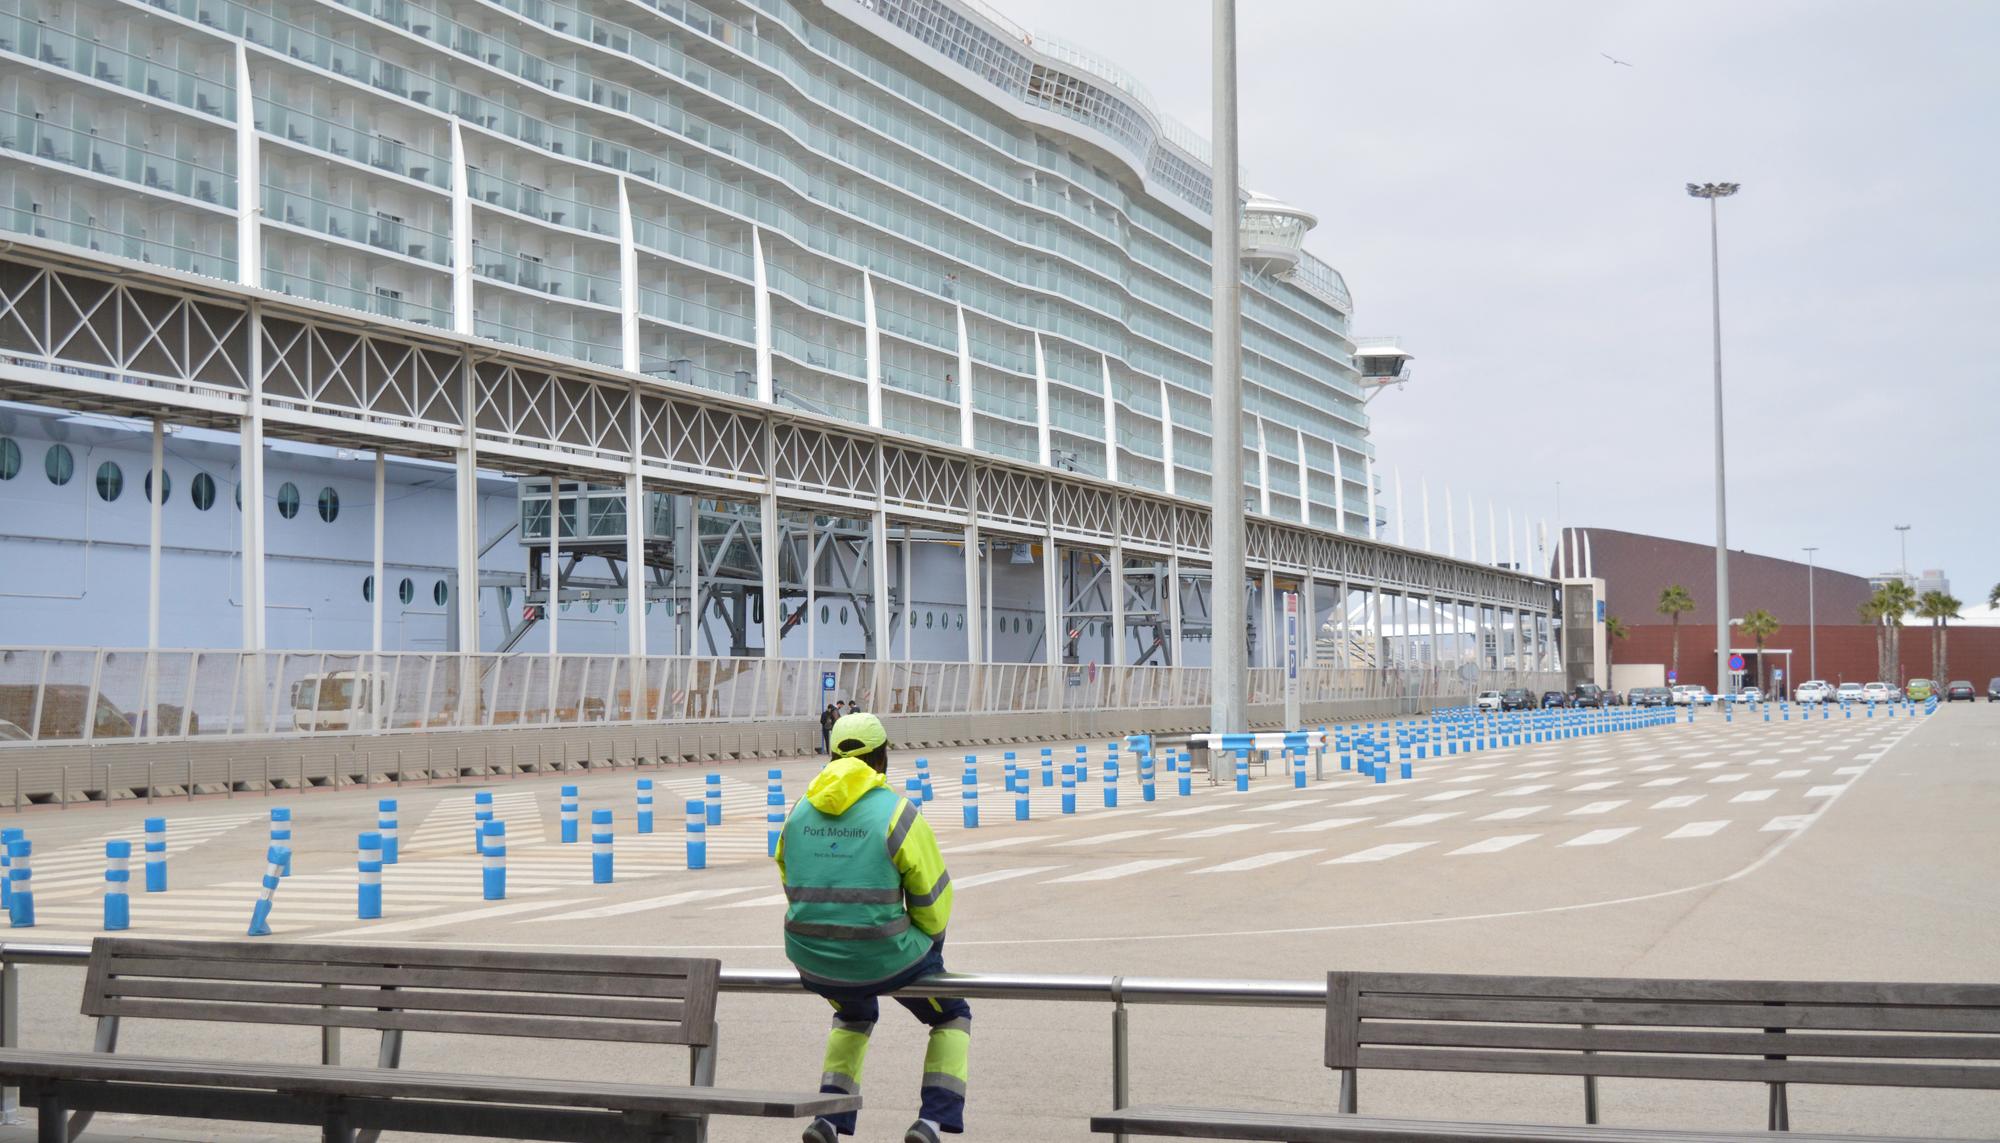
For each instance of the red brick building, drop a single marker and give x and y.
(1635, 568)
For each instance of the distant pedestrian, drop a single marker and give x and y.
(827, 718)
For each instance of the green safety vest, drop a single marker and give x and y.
(845, 922)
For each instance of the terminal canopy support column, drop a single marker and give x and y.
(1230, 677)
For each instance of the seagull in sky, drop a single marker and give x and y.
(1614, 59)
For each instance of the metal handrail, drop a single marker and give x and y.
(1117, 991)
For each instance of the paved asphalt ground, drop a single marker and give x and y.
(1832, 849)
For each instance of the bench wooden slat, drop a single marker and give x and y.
(385, 976)
(1684, 1067)
(1555, 1037)
(1686, 1015)
(1663, 988)
(18, 1064)
(1297, 1127)
(450, 956)
(222, 997)
(467, 1024)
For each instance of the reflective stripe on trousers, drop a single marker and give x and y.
(946, 1067)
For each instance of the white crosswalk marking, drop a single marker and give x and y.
(1783, 774)
(1601, 836)
(1114, 872)
(1258, 862)
(995, 875)
(1379, 853)
(1850, 771)
(1595, 771)
(1520, 791)
(1590, 786)
(1788, 822)
(1656, 782)
(1511, 813)
(1824, 791)
(1106, 838)
(1419, 819)
(1710, 765)
(1678, 801)
(1697, 829)
(449, 824)
(1192, 810)
(1597, 808)
(1273, 807)
(1722, 778)
(1000, 843)
(1214, 831)
(1753, 796)
(1447, 795)
(624, 907)
(1493, 844)
(1372, 799)
(1323, 824)
(1655, 768)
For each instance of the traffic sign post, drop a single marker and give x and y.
(1292, 715)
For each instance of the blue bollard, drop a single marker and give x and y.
(8, 837)
(276, 859)
(368, 865)
(1021, 811)
(774, 810)
(117, 886)
(482, 812)
(156, 855)
(1184, 777)
(1082, 765)
(281, 837)
(1147, 791)
(713, 792)
(493, 855)
(1111, 782)
(697, 835)
(600, 846)
(924, 781)
(568, 811)
(1048, 767)
(969, 794)
(1069, 788)
(1242, 771)
(1299, 770)
(643, 809)
(385, 821)
(20, 881)
(1017, 778)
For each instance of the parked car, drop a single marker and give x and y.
(1487, 700)
(1652, 696)
(1812, 690)
(1517, 698)
(1961, 689)
(1993, 690)
(1747, 694)
(1878, 692)
(1554, 699)
(1851, 692)
(1920, 689)
(1587, 694)
(1692, 694)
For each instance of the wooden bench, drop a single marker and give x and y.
(1770, 1032)
(394, 990)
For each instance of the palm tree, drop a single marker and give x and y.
(1890, 603)
(1614, 630)
(1674, 600)
(1938, 607)
(1993, 597)
(1761, 625)
(1872, 613)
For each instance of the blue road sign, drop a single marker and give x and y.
(1735, 662)
(827, 681)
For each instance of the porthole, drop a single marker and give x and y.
(1017, 625)
(593, 607)
(927, 620)
(59, 464)
(288, 500)
(166, 486)
(440, 593)
(843, 617)
(368, 589)
(202, 491)
(110, 481)
(619, 607)
(10, 458)
(406, 591)
(961, 622)
(329, 504)
(824, 612)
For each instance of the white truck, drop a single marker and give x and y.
(340, 700)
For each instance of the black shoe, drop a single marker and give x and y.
(921, 1132)
(819, 1131)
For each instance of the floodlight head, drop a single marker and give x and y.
(1713, 190)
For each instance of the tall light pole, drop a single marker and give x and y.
(1903, 538)
(1229, 657)
(1812, 621)
(1712, 192)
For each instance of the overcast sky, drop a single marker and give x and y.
(1511, 204)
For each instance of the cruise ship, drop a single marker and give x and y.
(910, 214)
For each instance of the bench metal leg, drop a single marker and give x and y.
(1349, 1099)
(51, 1124)
(1781, 1112)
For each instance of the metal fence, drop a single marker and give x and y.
(86, 694)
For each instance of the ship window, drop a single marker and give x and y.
(166, 486)
(824, 612)
(10, 458)
(59, 464)
(329, 504)
(368, 589)
(440, 593)
(288, 500)
(110, 481)
(406, 591)
(843, 617)
(202, 491)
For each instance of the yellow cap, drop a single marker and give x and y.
(857, 734)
